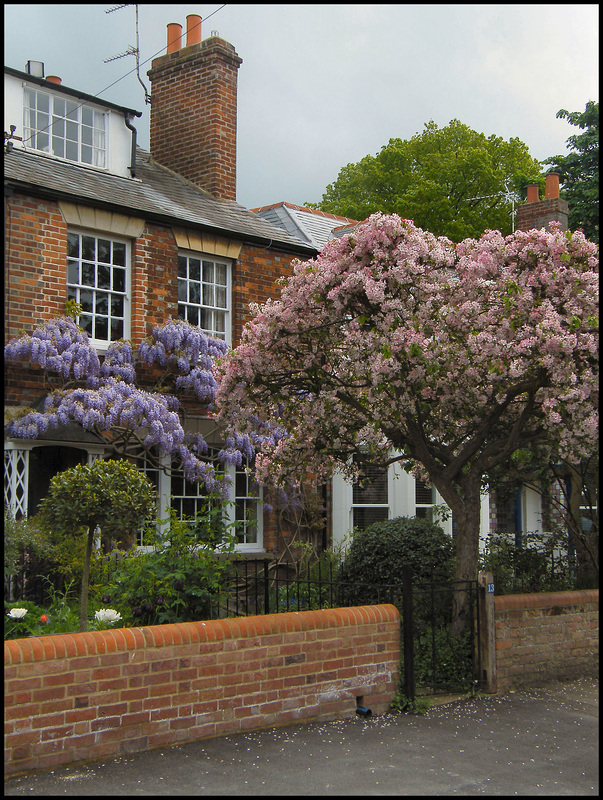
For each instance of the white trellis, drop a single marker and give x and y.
(16, 480)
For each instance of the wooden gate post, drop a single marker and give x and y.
(487, 631)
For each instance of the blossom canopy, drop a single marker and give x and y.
(395, 344)
(393, 338)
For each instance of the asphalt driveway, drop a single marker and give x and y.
(539, 742)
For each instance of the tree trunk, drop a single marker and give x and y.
(586, 551)
(85, 579)
(464, 502)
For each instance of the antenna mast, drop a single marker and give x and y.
(131, 51)
(508, 195)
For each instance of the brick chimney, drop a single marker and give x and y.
(194, 109)
(536, 213)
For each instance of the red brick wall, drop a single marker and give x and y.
(194, 114)
(84, 696)
(36, 274)
(255, 280)
(539, 214)
(35, 268)
(35, 290)
(542, 637)
(154, 280)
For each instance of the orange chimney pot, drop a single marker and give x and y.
(193, 29)
(551, 187)
(53, 79)
(532, 196)
(174, 37)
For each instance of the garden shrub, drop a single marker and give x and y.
(539, 564)
(36, 559)
(181, 579)
(377, 555)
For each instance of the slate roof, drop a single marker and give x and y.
(306, 224)
(156, 192)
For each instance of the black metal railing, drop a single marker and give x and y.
(435, 658)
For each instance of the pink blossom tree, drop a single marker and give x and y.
(393, 344)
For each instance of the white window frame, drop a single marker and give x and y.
(422, 506)
(76, 288)
(16, 469)
(82, 129)
(196, 308)
(358, 505)
(401, 502)
(250, 500)
(196, 493)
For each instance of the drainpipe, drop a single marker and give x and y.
(129, 125)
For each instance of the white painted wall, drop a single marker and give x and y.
(119, 137)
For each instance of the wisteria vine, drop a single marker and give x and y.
(102, 395)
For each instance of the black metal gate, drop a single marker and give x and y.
(442, 648)
(438, 654)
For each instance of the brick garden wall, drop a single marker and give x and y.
(83, 696)
(543, 637)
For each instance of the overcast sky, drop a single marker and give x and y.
(322, 86)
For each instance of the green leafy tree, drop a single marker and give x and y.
(579, 170)
(112, 495)
(451, 181)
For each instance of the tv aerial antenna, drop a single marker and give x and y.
(131, 51)
(509, 196)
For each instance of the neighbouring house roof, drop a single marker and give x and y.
(157, 193)
(306, 224)
(58, 87)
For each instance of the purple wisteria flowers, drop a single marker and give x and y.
(102, 394)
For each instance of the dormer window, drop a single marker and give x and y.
(60, 126)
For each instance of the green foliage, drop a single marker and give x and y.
(579, 170)
(540, 564)
(451, 181)
(114, 495)
(443, 660)
(378, 553)
(20, 537)
(32, 552)
(314, 584)
(179, 580)
(59, 615)
(402, 703)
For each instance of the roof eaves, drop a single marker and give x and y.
(163, 217)
(58, 87)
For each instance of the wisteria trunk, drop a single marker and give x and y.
(85, 580)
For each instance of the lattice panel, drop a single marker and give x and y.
(16, 471)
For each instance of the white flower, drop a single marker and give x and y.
(107, 615)
(17, 613)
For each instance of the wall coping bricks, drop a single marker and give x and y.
(105, 693)
(545, 600)
(69, 645)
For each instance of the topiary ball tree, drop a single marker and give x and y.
(378, 553)
(111, 495)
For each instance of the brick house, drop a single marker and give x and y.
(162, 216)
(135, 237)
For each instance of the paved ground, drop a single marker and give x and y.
(537, 742)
